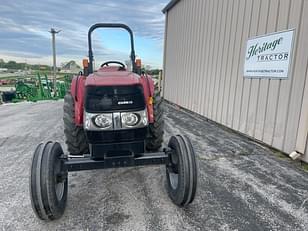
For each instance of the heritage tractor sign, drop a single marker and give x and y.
(269, 56)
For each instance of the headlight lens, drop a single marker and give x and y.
(115, 121)
(130, 119)
(103, 121)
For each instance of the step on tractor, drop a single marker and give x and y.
(113, 117)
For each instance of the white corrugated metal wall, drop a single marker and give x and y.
(203, 62)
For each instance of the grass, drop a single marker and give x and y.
(280, 155)
(300, 164)
(304, 166)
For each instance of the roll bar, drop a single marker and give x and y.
(110, 25)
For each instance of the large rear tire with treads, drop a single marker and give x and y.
(156, 130)
(75, 137)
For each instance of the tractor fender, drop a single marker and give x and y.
(78, 91)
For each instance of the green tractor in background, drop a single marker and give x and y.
(41, 89)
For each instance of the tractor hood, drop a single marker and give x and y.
(112, 78)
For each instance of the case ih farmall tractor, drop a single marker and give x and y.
(112, 118)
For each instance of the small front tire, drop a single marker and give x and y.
(48, 181)
(181, 171)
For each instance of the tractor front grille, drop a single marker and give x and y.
(101, 137)
(114, 98)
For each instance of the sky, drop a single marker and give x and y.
(24, 26)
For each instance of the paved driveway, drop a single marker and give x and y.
(242, 185)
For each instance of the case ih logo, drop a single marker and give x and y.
(271, 46)
(125, 102)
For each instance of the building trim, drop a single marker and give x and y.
(170, 5)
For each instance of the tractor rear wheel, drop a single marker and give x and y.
(75, 136)
(156, 129)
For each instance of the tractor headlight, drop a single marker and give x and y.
(129, 119)
(115, 121)
(134, 119)
(98, 121)
(103, 120)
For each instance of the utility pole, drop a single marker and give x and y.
(53, 35)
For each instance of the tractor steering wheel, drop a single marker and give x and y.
(116, 62)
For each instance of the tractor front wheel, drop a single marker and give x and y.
(75, 136)
(181, 171)
(48, 181)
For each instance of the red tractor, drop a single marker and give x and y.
(112, 118)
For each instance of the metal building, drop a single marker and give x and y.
(204, 55)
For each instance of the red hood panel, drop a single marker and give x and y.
(109, 78)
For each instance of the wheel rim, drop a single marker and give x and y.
(173, 171)
(59, 180)
(60, 190)
(174, 179)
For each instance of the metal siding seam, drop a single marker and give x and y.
(177, 77)
(213, 44)
(305, 158)
(204, 53)
(221, 59)
(242, 80)
(166, 60)
(202, 45)
(187, 55)
(276, 111)
(208, 43)
(233, 76)
(230, 64)
(169, 59)
(215, 76)
(209, 60)
(263, 94)
(242, 126)
(293, 82)
(195, 49)
(238, 64)
(280, 81)
(174, 39)
(226, 63)
(300, 142)
(173, 48)
(182, 49)
(267, 98)
(265, 111)
(273, 85)
(262, 23)
(248, 123)
(198, 57)
(278, 143)
(194, 56)
(165, 50)
(256, 111)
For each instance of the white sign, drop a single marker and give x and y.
(269, 55)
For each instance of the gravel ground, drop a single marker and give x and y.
(242, 185)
